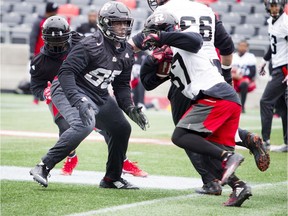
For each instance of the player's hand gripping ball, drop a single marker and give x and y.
(163, 55)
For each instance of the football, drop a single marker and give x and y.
(164, 69)
(164, 56)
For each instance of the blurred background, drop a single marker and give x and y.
(243, 19)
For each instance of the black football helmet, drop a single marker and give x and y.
(160, 21)
(279, 3)
(56, 34)
(153, 4)
(110, 13)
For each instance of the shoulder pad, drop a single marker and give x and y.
(75, 37)
(94, 44)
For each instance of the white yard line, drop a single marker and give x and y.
(151, 202)
(93, 178)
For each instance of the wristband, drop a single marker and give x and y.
(225, 67)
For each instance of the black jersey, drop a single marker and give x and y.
(45, 66)
(92, 65)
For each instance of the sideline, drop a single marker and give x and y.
(92, 136)
(151, 202)
(97, 137)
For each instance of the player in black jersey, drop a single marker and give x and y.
(44, 67)
(96, 61)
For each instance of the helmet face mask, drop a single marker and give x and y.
(153, 4)
(160, 21)
(115, 21)
(275, 8)
(56, 34)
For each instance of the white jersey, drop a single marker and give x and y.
(279, 45)
(192, 72)
(199, 17)
(244, 63)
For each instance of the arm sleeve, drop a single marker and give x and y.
(148, 75)
(138, 39)
(268, 54)
(122, 89)
(223, 40)
(75, 63)
(252, 69)
(37, 85)
(188, 41)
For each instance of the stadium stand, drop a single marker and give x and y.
(20, 34)
(23, 8)
(241, 18)
(80, 2)
(246, 31)
(241, 8)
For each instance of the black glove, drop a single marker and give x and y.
(138, 116)
(226, 72)
(85, 111)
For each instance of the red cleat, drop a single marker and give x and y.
(69, 165)
(132, 168)
(35, 101)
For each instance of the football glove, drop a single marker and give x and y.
(47, 93)
(163, 56)
(138, 116)
(151, 41)
(86, 111)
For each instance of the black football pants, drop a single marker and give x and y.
(110, 118)
(272, 94)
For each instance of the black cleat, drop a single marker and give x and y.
(238, 196)
(211, 188)
(40, 174)
(258, 149)
(120, 184)
(231, 163)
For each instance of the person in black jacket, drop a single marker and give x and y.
(43, 69)
(35, 36)
(96, 61)
(89, 27)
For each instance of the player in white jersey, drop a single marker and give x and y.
(201, 19)
(276, 87)
(243, 71)
(209, 125)
(214, 35)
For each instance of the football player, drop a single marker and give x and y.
(84, 77)
(45, 67)
(203, 21)
(208, 127)
(277, 86)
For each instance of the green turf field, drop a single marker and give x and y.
(28, 198)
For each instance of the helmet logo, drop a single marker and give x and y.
(159, 17)
(106, 6)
